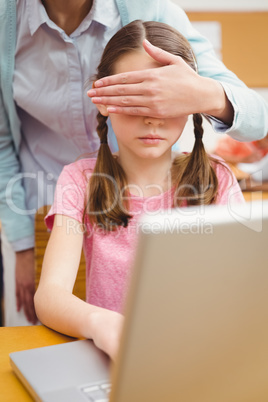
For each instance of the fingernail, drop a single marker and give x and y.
(147, 42)
(91, 92)
(99, 83)
(96, 100)
(111, 109)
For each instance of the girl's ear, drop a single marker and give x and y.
(102, 109)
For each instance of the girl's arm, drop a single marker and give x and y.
(55, 304)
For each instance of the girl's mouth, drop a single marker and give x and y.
(151, 139)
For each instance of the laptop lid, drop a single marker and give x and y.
(197, 319)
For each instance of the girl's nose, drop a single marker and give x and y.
(153, 121)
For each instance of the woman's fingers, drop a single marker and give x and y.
(174, 89)
(159, 55)
(122, 79)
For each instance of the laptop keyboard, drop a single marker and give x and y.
(98, 392)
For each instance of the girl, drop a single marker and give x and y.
(99, 201)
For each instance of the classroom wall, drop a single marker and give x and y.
(244, 38)
(223, 5)
(238, 31)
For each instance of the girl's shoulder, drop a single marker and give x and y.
(85, 165)
(220, 166)
(78, 172)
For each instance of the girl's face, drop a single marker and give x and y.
(144, 137)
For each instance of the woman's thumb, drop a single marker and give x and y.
(158, 54)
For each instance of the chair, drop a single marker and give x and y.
(41, 238)
(251, 190)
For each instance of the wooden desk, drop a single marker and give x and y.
(251, 196)
(13, 339)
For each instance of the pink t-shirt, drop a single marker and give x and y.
(109, 255)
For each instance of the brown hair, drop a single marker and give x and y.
(193, 173)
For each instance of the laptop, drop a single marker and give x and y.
(196, 326)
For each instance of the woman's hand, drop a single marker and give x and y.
(172, 90)
(106, 328)
(25, 284)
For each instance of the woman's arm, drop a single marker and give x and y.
(16, 223)
(247, 110)
(55, 304)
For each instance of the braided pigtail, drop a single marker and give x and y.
(106, 205)
(196, 177)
